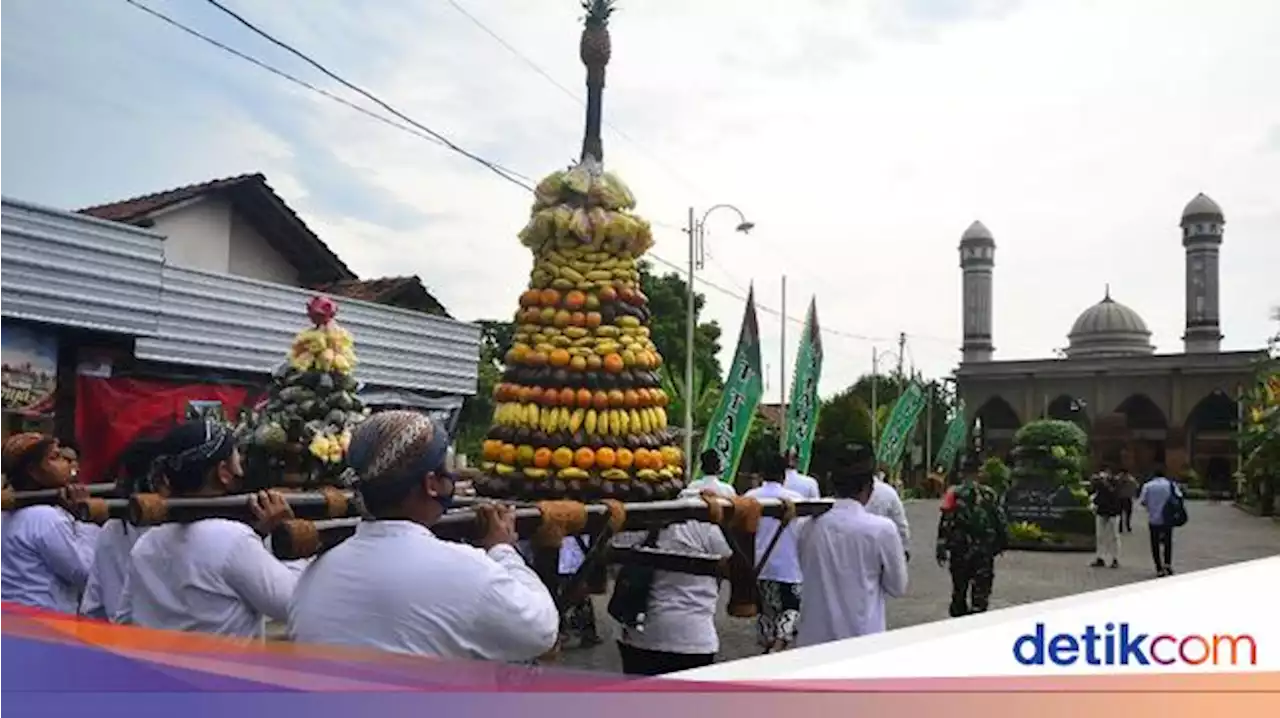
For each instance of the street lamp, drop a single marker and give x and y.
(697, 256)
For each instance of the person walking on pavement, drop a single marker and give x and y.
(972, 531)
(780, 579)
(1107, 509)
(1128, 489)
(885, 502)
(806, 486)
(1163, 501)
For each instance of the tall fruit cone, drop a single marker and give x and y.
(580, 412)
(300, 438)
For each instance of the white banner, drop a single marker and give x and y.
(1215, 621)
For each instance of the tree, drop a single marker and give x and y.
(667, 295)
(477, 411)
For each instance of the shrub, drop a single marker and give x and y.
(997, 474)
(1026, 532)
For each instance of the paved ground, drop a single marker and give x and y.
(1217, 534)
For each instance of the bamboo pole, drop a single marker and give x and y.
(14, 500)
(302, 538)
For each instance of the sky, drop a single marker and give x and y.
(860, 136)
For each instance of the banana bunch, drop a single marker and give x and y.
(583, 268)
(327, 348)
(587, 184)
(330, 449)
(586, 206)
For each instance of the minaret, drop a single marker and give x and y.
(1202, 224)
(977, 260)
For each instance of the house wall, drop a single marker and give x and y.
(208, 235)
(253, 257)
(197, 235)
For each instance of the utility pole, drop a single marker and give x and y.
(688, 351)
(902, 345)
(875, 424)
(782, 370)
(928, 430)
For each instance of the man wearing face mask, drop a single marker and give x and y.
(432, 597)
(213, 575)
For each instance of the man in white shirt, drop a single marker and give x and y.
(806, 486)
(780, 578)
(710, 479)
(394, 586)
(851, 560)
(679, 629)
(885, 502)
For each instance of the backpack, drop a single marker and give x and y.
(1175, 508)
(630, 599)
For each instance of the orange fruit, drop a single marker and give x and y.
(517, 354)
(562, 457)
(508, 454)
(600, 400)
(630, 399)
(530, 394)
(625, 458)
(575, 299)
(578, 319)
(568, 397)
(584, 398)
(542, 458)
(550, 397)
(606, 458)
(660, 397)
(559, 357)
(563, 318)
(537, 358)
(607, 294)
(550, 297)
(584, 458)
(642, 458)
(593, 319)
(616, 398)
(613, 364)
(657, 360)
(530, 298)
(491, 449)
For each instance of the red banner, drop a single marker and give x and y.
(111, 412)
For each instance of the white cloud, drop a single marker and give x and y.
(860, 136)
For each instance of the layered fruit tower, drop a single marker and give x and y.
(580, 411)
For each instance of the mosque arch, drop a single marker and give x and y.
(1065, 407)
(1211, 428)
(994, 424)
(1141, 413)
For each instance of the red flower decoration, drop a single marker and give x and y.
(321, 310)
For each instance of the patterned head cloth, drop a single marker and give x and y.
(196, 444)
(18, 449)
(397, 445)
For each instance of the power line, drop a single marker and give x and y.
(422, 132)
(503, 172)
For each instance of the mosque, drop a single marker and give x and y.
(1139, 408)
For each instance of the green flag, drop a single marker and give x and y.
(802, 412)
(731, 423)
(896, 430)
(952, 442)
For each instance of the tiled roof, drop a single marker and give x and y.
(255, 199)
(772, 413)
(136, 207)
(404, 292)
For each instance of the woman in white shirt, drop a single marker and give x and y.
(395, 586)
(679, 624)
(213, 575)
(46, 551)
(133, 473)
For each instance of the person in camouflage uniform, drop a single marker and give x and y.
(972, 531)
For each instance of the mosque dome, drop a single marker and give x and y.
(1201, 205)
(977, 233)
(1109, 328)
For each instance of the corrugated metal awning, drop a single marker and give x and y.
(229, 322)
(71, 270)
